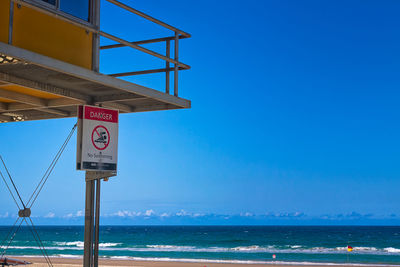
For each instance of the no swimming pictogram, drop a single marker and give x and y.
(100, 137)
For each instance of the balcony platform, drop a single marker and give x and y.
(34, 87)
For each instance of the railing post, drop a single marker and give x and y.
(167, 54)
(11, 22)
(96, 37)
(176, 65)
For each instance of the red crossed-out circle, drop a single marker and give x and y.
(100, 137)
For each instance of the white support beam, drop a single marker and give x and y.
(121, 107)
(134, 99)
(54, 111)
(27, 99)
(63, 102)
(32, 102)
(117, 97)
(4, 77)
(153, 108)
(52, 103)
(40, 117)
(13, 107)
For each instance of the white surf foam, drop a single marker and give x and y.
(81, 244)
(392, 250)
(171, 247)
(252, 262)
(248, 248)
(67, 256)
(295, 249)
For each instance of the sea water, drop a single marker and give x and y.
(244, 244)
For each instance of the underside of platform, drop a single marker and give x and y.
(34, 87)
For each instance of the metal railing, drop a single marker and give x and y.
(94, 27)
(179, 34)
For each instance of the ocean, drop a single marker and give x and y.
(241, 244)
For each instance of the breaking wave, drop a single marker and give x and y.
(297, 249)
(80, 244)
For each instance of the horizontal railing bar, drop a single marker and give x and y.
(149, 41)
(57, 15)
(132, 73)
(143, 15)
(148, 51)
(119, 40)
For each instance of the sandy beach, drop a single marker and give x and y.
(60, 262)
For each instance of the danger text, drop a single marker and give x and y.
(101, 116)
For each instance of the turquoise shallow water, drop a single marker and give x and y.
(322, 244)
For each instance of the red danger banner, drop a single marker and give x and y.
(99, 114)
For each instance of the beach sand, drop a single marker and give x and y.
(63, 262)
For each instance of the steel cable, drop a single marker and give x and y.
(34, 195)
(15, 188)
(12, 195)
(9, 232)
(51, 167)
(12, 238)
(40, 243)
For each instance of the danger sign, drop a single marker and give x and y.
(97, 139)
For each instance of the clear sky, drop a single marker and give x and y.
(294, 120)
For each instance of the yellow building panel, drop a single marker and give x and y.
(51, 37)
(29, 91)
(4, 20)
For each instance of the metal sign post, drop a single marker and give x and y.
(97, 154)
(88, 236)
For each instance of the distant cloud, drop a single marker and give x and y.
(124, 213)
(165, 215)
(151, 216)
(79, 213)
(182, 213)
(351, 216)
(296, 214)
(149, 213)
(50, 215)
(197, 215)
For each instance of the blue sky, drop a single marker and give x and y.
(294, 120)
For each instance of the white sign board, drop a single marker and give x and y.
(97, 139)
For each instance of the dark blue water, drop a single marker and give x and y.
(323, 244)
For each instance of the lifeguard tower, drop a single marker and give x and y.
(49, 65)
(49, 62)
